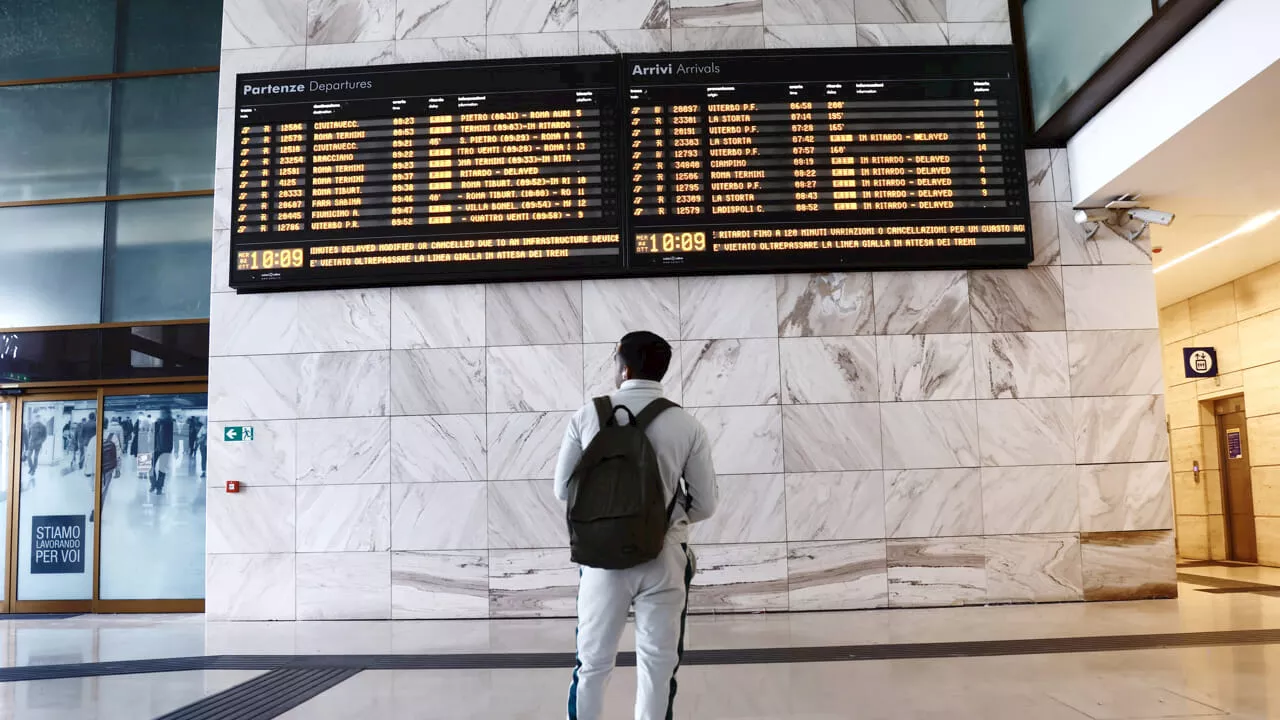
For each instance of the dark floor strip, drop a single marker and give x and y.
(39, 616)
(1223, 583)
(266, 696)
(730, 656)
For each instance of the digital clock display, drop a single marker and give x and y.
(267, 259)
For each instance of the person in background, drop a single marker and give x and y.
(33, 442)
(193, 434)
(88, 430)
(127, 425)
(202, 443)
(162, 455)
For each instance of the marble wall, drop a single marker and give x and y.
(1242, 320)
(883, 439)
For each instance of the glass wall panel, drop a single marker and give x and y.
(153, 497)
(52, 261)
(158, 255)
(159, 34)
(53, 140)
(1068, 40)
(6, 455)
(165, 130)
(55, 500)
(56, 38)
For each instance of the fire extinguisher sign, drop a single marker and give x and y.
(1200, 362)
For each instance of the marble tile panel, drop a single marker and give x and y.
(901, 34)
(344, 585)
(531, 16)
(1258, 292)
(979, 33)
(1021, 365)
(739, 578)
(270, 460)
(1040, 175)
(729, 372)
(222, 152)
(1034, 568)
(1116, 362)
(1060, 166)
(532, 583)
(1262, 388)
(714, 13)
(440, 516)
(717, 38)
(828, 370)
(1128, 565)
(1175, 322)
(534, 378)
(937, 572)
(1213, 309)
(1266, 491)
(834, 506)
(546, 44)
(1110, 297)
(222, 203)
(523, 446)
(623, 15)
(330, 22)
(344, 518)
(933, 503)
(378, 52)
(1186, 449)
(744, 440)
(263, 23)
(443, 448)
(525, 515)
(1036, 431)
(439, 316)
(343, 451)
(1029, 500)
(254, 60)
(533, 313)
(751, 510)
(930, 434)
(341, 320)
(1268, 535)
(808, 12)
(825, 305)
(1259, 339)
(832, 437)
(1171, 356)
(703, 301)
(1220, 384)
(1028, 300)
(255, 520)
(613, 308)
(220, 265)
(350, 384)
(1212, 480)
(446, 381)
(965, 11)
(1106, 247)
(1264, 439)
(1217, 538)
(1120, 429)
(438, 18)
(445, 585)
(925, 367)
(1188, 493)
(444, 49)
(912, 303)
(253, 388)
(249, 587)
(1128, 496)
(600, 373)
(609, 42)
(810, 36)
(900, 11)
(1044, 234)
(265, 324)
(837, 575)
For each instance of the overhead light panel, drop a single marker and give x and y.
(1253, 224)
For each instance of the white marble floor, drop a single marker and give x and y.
(1242, 681)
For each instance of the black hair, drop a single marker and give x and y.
(645, 354)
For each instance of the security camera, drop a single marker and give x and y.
(1093, 215)
(1147, 215)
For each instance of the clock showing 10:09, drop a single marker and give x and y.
(283, 258)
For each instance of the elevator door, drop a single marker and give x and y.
(1237, 484)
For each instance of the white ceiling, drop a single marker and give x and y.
(1215, 174)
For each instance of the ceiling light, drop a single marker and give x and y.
(1253, 224)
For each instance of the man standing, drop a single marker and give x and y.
(659, 588)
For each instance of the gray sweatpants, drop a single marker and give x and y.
(659, 589)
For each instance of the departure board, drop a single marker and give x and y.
(426, 173)
(825, 160)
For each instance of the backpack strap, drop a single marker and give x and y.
(652, 411)
(604, 411)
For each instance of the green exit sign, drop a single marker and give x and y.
(236, 433)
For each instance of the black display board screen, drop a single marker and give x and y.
(426, 173)
(537, 169)
(826, 160)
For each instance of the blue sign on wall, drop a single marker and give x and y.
(1200, 362)
(57, 544)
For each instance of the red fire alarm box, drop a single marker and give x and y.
(233, 486)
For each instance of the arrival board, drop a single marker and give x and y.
(426, 173)
(825, 160)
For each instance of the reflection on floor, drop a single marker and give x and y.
(1241, 681)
